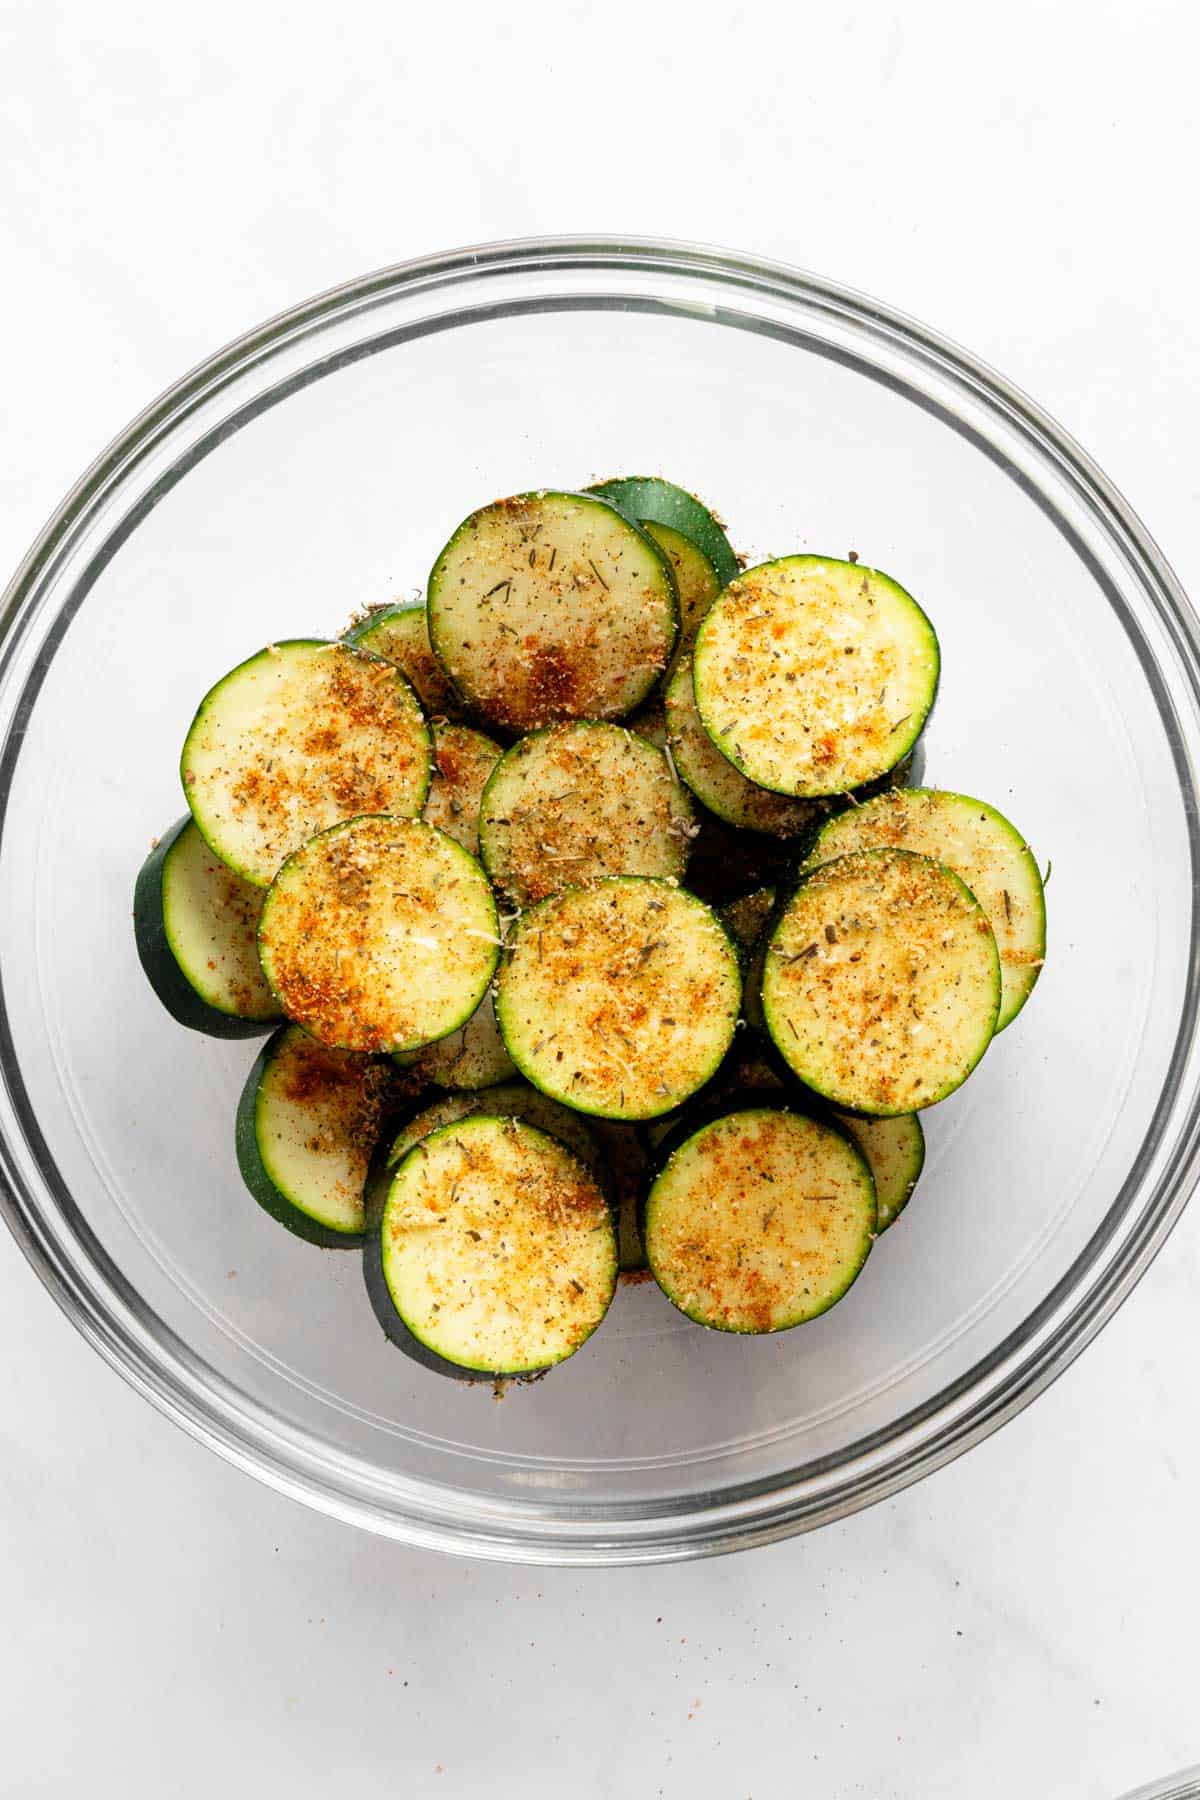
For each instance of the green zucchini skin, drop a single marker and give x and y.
(649, 498)
(254, 1171)
(162, 971)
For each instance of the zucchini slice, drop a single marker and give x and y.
(619, 999)
(400, 633)
(462, 761)
(696, 581)
(714, 780)
(576, 802)
(882, 982)
(471, 1057)
(759, 1221)
(895, 1151)
(814, 676)
(196, 923)
(298, 737)
(650, 500)
(380, 934)
(307, 1123)
(497, 1249)
(980, 845)
(552, 606)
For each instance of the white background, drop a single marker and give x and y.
(1022, 177)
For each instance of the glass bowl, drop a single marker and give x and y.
(1183, 1785)
(317, 465)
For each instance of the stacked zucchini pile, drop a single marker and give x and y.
(601, 927)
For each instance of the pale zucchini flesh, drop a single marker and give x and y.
(619, 999)
(552, 606)
(713, 778)
(881, 983)
(759, 1221)
(895, 1151)
(814, 676)
(196, 927)
(295, 739)
(307, 1125)
(379, 935)
(579, 801)
(462, 761)
(696, 581)
(982, 847)
(401, 634)
(497, 1247)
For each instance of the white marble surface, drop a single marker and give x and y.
(1024, 1622)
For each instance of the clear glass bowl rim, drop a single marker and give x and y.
(108, 1312)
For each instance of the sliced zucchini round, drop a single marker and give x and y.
(980, 845)
(462, 761)
(759, 1221)
(380, 934)
(895, 1151)
(552, 606)
(300, 736)
(196, 923)
(619, 999)
(471, 1057)
(814, 676)
(696, 581)
(307, 1123)
(400, 634)
(650, 500)
(882, 983)
(576, 802)
(714, 780)
(497, 1249)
